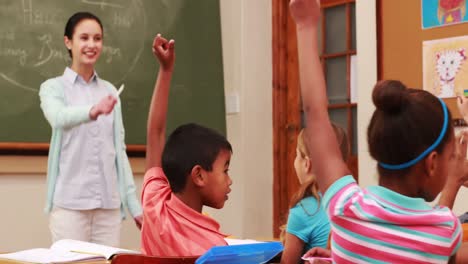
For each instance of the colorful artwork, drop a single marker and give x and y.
(436, 13)
(445, 69)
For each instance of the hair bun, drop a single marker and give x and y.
(389, 96)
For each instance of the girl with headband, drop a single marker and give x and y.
(411, 137)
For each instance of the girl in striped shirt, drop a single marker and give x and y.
(412, 139)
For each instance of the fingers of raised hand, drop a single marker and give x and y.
(162, 46)
(171, 44)
(158, 43)
(461, 145)
(460, 102)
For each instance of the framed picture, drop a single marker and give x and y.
(444, 66)
(437, 13)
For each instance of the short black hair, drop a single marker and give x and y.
(74, 20)
(187, 146)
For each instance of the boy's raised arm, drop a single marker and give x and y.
(325, 152)
(156, 127)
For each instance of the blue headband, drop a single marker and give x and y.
(427, 151)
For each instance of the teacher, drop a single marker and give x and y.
(89, 179)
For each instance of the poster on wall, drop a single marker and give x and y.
(445, 69)
(437, 13)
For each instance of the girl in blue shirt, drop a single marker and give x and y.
(308, 225)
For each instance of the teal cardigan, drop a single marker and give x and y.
(59, 117)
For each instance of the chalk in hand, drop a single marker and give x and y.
(120, 89)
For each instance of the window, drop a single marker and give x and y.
(338, 45)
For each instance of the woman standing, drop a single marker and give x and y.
(89, 179)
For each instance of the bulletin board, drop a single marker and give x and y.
(400, 38)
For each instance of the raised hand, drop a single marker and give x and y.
(164, 51)
(460, 160)
(105, 106)
(305, 12)
(457, 171)
(462, 103)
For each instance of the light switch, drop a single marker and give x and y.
(232, 103)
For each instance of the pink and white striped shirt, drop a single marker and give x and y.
(170, 227)
(377, 225)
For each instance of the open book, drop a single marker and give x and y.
(66, 250)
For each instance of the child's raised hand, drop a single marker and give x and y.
(457, 171)
(305, 12)
(461, 160)
(462, 103)
(164, 51)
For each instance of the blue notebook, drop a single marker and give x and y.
(245, 254)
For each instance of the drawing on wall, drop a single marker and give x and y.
(436, 13)
(445, 67)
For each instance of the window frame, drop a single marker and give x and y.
(287, 101)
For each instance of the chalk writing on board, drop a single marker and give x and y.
(31, 39)
(102, 4)
(32, 50)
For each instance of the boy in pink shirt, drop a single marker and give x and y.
(187, 172)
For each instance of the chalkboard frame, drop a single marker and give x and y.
(40, 149)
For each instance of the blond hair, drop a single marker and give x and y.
(310, 188)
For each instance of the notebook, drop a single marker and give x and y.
(64, 251)
(241, 253)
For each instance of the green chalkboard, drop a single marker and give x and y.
(32, 51)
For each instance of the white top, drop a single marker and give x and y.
(87, 176)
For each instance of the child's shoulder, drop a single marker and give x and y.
(308, 206)
(154, 173)
(309, 201)
(155, 180)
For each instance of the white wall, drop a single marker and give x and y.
(247, 54)
(23, 223)
(246, 33)
(367, 77)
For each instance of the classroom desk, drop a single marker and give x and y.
(80, 262)
(276, 259)
(139, 258)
